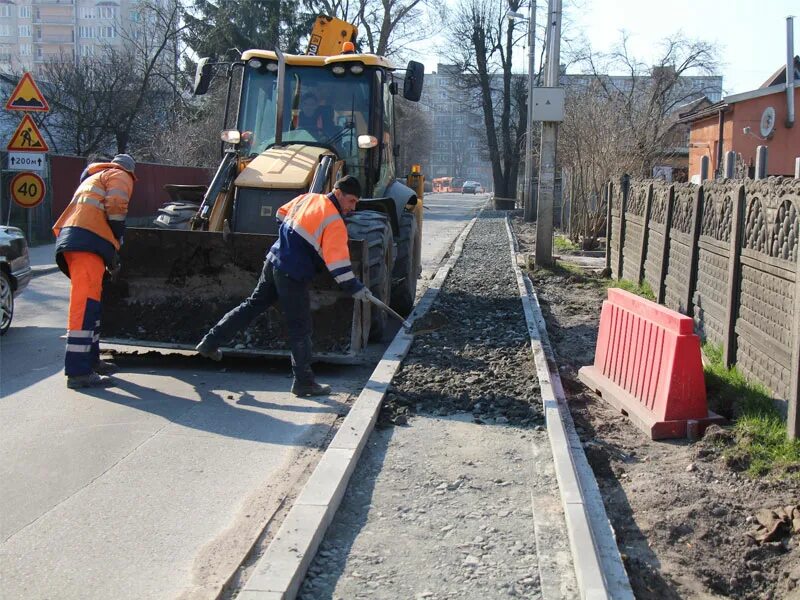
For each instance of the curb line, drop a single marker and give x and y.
(599, 572)
(40, 271)
(279, 573)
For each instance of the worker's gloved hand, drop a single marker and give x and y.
(115, 266)
(362, 294)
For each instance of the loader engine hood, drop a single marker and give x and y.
(281, 167)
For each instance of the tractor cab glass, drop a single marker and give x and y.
(322, 106)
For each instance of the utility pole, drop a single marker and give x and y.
(547, 155)
(529, 213)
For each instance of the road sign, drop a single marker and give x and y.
(27, 189)
(27, 96)
(26, 161)
(27, 138)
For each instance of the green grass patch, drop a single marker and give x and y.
(644, 290)
(760, 444)
(564, 245)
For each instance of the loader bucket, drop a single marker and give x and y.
(174, 285)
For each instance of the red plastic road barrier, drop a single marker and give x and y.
(647, 363)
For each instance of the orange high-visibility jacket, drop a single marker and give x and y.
(94, 221)
(312, 229)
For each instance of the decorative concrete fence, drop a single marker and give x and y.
(726, 254)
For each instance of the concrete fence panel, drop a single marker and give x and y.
(618, 197)
(634, 215)
(683, 232)
(766, 323)
(714, 255)
(655, 266)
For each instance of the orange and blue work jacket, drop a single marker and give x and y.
(312, 232)
(94, 221)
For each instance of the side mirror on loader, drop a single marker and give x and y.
(202, 77)
(412, 86)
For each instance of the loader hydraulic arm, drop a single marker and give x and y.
(212, 209)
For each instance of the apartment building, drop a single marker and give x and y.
(459, 135)
(34, 32)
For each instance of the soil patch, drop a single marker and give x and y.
(685, 519)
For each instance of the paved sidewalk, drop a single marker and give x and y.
(43, 259)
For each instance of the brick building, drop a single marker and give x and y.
(741, 123)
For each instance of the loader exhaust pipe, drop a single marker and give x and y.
(279, 109)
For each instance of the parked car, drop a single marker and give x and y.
(15, 271)
(472, 187)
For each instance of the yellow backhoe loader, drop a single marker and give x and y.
(302, 121)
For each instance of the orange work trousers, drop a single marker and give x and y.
(83, 327)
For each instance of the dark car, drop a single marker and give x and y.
(472, 187)
(15, 271)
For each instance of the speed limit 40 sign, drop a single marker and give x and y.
(27, 189)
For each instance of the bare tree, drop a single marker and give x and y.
(625, 123)
(483, 40)
(414, 134)
(120, 96)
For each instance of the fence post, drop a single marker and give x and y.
(761, 162)
(730, 164)
(693, 254)
(608, 190)
(662, 274)
(792, 416)
(624, 182)
(797, 168)
(732, 299)
(704, 167)
(648, 203)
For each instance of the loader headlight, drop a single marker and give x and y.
(357, 69)
(367, 141)
(231, 136)
(338, 70)
(254, 63)
(272, 67)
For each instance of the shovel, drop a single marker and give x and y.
(382, 306)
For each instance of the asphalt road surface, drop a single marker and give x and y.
(156, 488)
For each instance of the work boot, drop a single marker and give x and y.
(205, 348)
(92, 380)
(310, 389)
(103, 367)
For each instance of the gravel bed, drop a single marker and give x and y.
(472, 352)
(441, 508)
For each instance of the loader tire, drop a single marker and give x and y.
(374, 228)
(404, 291)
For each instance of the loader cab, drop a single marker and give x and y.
(343, 103)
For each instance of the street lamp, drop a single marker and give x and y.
(528, 185)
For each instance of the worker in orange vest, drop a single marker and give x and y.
(312, 235)
(89, 235)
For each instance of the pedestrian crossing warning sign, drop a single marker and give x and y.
(27, 96)
(27, 138)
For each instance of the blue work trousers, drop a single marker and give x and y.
(274, 285)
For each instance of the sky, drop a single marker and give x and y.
(750, 34)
